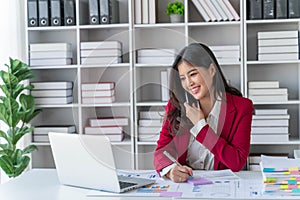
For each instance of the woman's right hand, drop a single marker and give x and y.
(180, 174)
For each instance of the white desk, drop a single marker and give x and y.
(43, 184)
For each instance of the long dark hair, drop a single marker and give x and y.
(199, 55)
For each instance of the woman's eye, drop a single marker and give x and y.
(182, 79)
(193, 74)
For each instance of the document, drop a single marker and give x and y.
(218, 189)
(160, 188)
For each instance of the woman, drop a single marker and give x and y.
(207, 122)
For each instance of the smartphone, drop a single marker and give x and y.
(190, 99)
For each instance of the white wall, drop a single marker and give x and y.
(12, 32)
(12, 36)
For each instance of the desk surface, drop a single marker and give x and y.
(43, 184)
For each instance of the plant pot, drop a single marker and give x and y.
(175, 18)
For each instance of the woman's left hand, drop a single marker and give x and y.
(194, 113)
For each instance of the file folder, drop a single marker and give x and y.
(43, 12)
(94, 11)
(104, 11)
(32, 9)
(268, 9)
(293, 9)
(56, 12)
(113, 11)
(281, 9)
(69, 13)
(255, 9)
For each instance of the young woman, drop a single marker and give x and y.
(207, 122)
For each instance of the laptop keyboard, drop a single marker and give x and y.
(126, 184)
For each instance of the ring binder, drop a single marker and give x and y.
(56, 12)
(43, 8)
(69, 13)
(32, 13)
(94, 11)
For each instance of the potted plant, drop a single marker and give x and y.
(17, 109)
(176, 11)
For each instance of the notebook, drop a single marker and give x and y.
(87, 161)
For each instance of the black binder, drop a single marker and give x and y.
(32, 9)
(281, 9)
(94, 11)
(254, 9)
(268, 9)
(44, 12)
(104, 11)
(69, 13)
(56, 13)
(294, 10)
(109, 11)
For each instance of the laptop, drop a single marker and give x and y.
(87, 161)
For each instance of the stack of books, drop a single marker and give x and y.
(102, 52)
(270, 125)
(216, 10)
(278, 45)
(260, 91)
(156, 56)
(150, 124)
(40, 133)
(101, 92)
(111, 127)
(254, 160)
(50, 54)
(52, 92)
(281, 176)
(227, 54)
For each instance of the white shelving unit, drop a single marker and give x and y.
(79, 113)
(286, 72)
(138, 85)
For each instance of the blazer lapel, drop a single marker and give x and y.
(227, 116)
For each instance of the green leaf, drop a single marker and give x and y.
(4, 146)
(6, 165)
(10, 81)
(3, 135)
(22, 166)
(30, 116)
(29, 149)
(5, 90)
(16, 156)
(12, 107)
(19, 133)
(17, 91)
(4, 116)
(27, 102)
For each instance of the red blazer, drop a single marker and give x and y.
(230, 145)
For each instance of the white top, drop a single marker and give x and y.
(199, 157)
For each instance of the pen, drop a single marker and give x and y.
(174, 160)
(171, 158)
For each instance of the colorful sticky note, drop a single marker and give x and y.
(170, 194)
(199, 181)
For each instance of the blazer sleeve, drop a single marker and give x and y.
(165, 142)
(230, 148)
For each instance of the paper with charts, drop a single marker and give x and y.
(160, 188)
(224, 178)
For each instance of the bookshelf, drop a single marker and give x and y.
(138, 85)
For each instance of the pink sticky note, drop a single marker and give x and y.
(199, 181)
(170, 194)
